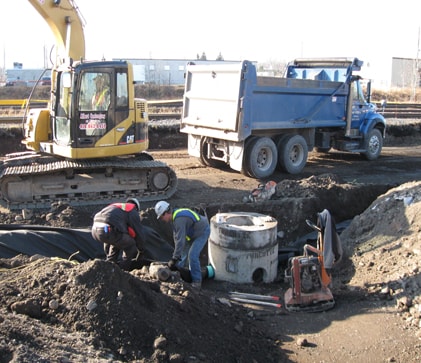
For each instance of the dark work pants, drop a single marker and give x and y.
(114, 242)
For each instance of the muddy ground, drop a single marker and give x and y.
(61, 311)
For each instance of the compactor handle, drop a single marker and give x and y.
(312, 225)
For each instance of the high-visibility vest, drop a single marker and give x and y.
(99, 99)
(185, 212)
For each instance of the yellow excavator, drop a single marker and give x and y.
(89, 145)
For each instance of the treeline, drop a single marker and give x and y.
(400, 95)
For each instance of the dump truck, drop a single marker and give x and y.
(258, 124)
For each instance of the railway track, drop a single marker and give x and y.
(12, 111)
(401, 110)
(165, 110)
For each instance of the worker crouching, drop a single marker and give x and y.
(191, 232)
(119, 228)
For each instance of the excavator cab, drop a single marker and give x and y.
(93, 114)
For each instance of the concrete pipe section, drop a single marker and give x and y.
(243, 247)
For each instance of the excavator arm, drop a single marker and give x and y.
(66, 23)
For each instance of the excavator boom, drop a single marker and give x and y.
(66, 23)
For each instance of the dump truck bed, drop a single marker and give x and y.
(230, 101)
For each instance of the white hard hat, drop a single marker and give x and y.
(161, 207)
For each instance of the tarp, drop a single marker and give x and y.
(65, 243)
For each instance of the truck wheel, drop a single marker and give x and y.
(261, 157)
(280, 140)
(293, 152)
(245, 169)
(373, 144)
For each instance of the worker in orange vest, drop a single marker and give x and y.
(119, 228)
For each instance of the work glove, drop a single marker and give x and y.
(172, 264)
(139, 255)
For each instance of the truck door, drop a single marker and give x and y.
(359, 105)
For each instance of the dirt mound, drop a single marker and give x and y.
(117, 315)
(385, 249)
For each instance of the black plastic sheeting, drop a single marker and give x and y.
(80, 246)
(65, 243)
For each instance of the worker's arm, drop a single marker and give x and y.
(136, 225)
(180, 228)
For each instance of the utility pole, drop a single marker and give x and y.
(3, 70)
(45, 56)
(416, 72)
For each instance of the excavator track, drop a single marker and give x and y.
(30, 180)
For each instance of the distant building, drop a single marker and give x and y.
(406, 73)
(154, 71)
(24, 77)
(168, 72)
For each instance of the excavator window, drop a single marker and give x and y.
(101, 97)
(95, 92)
(122, 92)
(62, 127)
(94, 102)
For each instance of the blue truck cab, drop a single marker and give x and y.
(257, 124)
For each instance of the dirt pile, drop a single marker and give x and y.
(114, 315)
(385, 248)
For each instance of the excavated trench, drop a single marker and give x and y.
(293, 203)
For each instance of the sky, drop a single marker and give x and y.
(262, 31)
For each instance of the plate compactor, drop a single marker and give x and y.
(309, 275)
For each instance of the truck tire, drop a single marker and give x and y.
(293, 153)
(261, 157)
(244, 170)
(280, 140)
(373, 144)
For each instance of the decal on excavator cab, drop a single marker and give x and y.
(93, 123)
